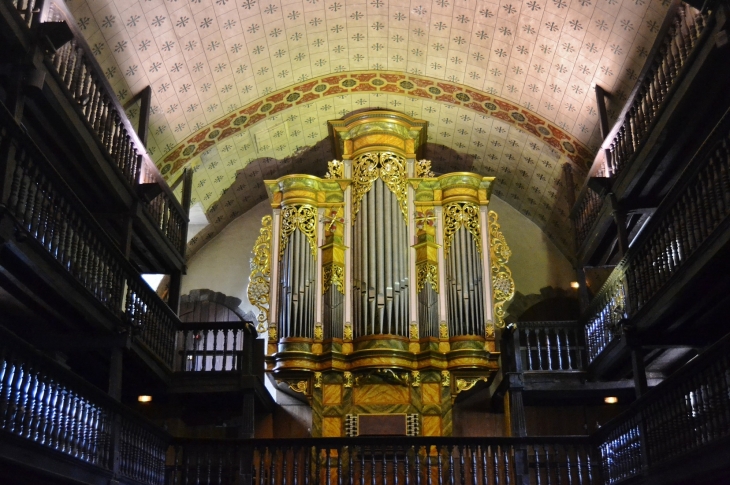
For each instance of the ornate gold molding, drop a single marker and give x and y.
(460, 214)
(333, 274)
(415, 378)
(423, 169)
(427, 272)
(503, 286)
(390, 167)
(302, 217)
(318, 380)
(259, 281)
(348, 379)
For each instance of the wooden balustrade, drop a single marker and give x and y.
(586, 214)
(673, 49)
(76, 69)
(551, 346)
(432, 461)
(48, 212)
(681, 33)
(684, 222)
(688, 412)
(215, 346)
(50, 406)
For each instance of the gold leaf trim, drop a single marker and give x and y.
(461, 214)
(386, 165)
(259, 281)
(304, 218)
(503, 286)
(423, 169)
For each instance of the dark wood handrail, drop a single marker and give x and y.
(110, 248)
(153, 174)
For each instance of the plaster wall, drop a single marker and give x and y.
(223, 264)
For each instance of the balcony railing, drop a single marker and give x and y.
(48, 212)
(216, 346)
(695, 210)
(688, 412)
(436, 461)
(551, 346)
(48, 406)
(676, 42)
(76, 70)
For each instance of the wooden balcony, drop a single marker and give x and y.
(679, 96)
(58, 92)
(671, 286)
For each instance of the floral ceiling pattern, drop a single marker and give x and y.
(209, 60)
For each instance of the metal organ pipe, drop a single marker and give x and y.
(380, 248)
(296, 306)
(464, 282)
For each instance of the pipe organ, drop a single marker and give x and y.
(383, 281)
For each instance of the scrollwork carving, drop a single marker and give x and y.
(461, 214)
(386, 165)
(304, 218)
(503, 286)
(335, 170)
(259, 281)
(427, 272)
(333, 274)
(423, 169)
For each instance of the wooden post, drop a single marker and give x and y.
(514, 408)
(115, 391)
(619, 218)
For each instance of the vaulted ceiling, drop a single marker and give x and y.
(243, 88)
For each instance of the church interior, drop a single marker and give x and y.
(289, 242)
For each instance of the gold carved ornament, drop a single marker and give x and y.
(259, 281)
(347, 332)
(427, 272)
(335, 170)
(388, 166)
(415, 378)
(423, 169)
(445, 378)
(304, 218)
(413, 331)
(318, 380)
(460, 214)
(443, 331)
(318, 332)
(333, 274)
(348, 379)
(300, 386)
(466, 384)
(503, 286)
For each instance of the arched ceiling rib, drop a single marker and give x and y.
(208, 59)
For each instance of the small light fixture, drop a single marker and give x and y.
(144, 398)
(610, 400)
(574, 285)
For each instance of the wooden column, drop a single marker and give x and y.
(514, 408)
(619, 218)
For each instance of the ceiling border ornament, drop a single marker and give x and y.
(387, 82)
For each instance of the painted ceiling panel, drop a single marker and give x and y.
(207, 60)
